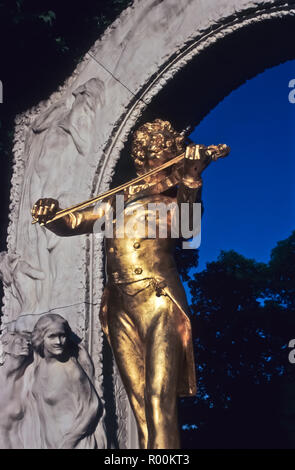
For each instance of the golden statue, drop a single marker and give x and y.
(144, 307)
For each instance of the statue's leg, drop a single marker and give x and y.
(129, 355)
(163, 362)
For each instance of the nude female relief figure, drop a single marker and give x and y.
(63, 408)
(16, 356)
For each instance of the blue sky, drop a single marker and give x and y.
(249, 197)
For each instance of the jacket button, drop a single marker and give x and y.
(136, 245)
(138, 271)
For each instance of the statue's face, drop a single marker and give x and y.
(155, 143)
(156, 151)
(55, 341)
(159, 150)
(17, 345)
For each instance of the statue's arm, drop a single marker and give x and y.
(74, 223)
(197, 158)
(190, 185)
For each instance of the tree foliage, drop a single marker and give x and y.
(43, 42)
(242, 318)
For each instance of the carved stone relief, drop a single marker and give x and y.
(67, 148)
(48, 399)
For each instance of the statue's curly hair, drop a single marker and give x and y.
(157, 133)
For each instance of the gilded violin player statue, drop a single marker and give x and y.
(144, 308)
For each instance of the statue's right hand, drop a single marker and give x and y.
(44, 210)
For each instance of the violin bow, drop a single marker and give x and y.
(113, 191)
(210, 152)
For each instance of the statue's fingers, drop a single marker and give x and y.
(194, 152)
(39, 210)
(188, 153)
(45, 210)
(34, 209)
(53, 207)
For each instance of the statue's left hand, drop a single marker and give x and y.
(198, 157)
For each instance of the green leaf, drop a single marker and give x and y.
(48, 17)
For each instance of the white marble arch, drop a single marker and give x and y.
(67, 147)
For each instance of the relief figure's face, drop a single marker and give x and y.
(55, 341)
(17, 345)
